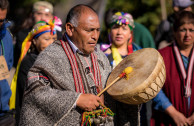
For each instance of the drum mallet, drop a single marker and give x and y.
(125, 74)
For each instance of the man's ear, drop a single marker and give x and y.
(69, 29)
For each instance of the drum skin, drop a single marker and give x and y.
(145, 81)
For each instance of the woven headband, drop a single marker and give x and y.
(121, 18)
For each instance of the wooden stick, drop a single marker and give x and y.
(99, 94)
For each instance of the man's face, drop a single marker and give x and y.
(3, 14)
(86, 34)
(42, 15)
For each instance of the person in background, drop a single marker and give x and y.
(120, 37)
(121, 34)
(164, 32)
(179, 59)
(42, 35)
(6, 57)
(141, 35)
(42, 11)
(67, 75)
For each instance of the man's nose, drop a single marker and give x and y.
(95, 35)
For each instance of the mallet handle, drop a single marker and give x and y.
(99, 94)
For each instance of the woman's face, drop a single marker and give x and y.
(185, 35)
(120, 34)
(44, 40)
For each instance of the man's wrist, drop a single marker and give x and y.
(75, 104)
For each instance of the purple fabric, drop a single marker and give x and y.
(182, 3)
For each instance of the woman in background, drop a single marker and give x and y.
(42, 35)
(120, 37)
(179, 84)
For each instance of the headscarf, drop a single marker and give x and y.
(121, 18)
(39, 28)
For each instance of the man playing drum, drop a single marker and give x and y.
(67, 75)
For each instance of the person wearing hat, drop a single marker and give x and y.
(164, 32)
(120, 36)
(41, 11)
(42, 35)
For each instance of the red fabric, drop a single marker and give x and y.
(174, 87)
(130, 46)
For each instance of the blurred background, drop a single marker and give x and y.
(146, 12)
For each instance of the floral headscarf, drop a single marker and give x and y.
(121, 18)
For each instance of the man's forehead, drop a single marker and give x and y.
(88, 16)
(89, 21)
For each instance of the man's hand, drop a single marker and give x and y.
(88, 102)
(178, 117)
(191, 120)
(102, 96)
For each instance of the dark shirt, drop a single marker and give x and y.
(164, 31)
(25, 66)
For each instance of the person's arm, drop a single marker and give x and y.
(161, 101)
(178, 117)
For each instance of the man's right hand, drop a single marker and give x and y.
(88, 102)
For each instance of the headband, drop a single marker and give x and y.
(121, 18)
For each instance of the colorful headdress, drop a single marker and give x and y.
(122, 18)
(39, 28)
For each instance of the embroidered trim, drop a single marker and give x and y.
(76, 74)
(187, 76)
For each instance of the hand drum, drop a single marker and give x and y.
(145, 81)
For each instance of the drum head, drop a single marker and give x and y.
(145, 81)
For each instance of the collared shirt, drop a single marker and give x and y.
(186, 63)
(73, 46)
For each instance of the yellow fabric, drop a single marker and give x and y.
(25, 46)
(115, 54)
